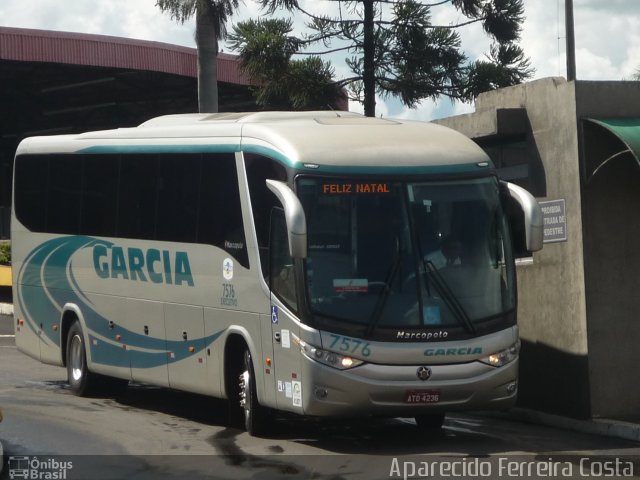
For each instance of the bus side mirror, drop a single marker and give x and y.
(294, 216)
(529, 215)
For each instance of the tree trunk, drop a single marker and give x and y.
(369, 74)
(207, 44)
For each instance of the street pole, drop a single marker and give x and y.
(571, 41)
(369, 73)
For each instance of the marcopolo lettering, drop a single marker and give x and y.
(437, 352)
(403, 335)
(157, 266)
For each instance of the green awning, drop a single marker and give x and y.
(607, 139)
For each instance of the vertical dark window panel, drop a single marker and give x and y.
(178, 197)
(30, 191)
(282, 276)
(220, 220)
(263, 200)
(64, 194)
(99, 195)
(137, 193)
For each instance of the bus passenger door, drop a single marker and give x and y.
(284, 326)
(186, 347)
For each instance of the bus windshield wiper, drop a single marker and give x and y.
(384, 295)
(448, 296)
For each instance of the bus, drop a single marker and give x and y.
(318, 263)
(19, 467)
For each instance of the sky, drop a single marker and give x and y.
(607, 36)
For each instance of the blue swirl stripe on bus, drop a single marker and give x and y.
(35, 283)
(47, 282)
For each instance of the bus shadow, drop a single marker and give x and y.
(382, 436)
(343, 435)
(462, 434)
(189, 406)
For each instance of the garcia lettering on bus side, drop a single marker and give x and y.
(157, 266)
(438, 352)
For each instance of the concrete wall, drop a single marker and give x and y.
(552, 303)
(612, 265)
(611, 202)
(579, 309)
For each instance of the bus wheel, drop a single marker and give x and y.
(81, 380)
(255, 416)
(430, 422)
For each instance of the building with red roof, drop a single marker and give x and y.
(59, 82)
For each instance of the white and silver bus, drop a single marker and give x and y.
(320, 263)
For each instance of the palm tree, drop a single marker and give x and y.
(211, 19)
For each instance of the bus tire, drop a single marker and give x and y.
(255, 415)
(82, 382)
(430, 422)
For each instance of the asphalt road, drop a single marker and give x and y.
(150, 433)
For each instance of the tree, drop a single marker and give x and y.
(266, 49)
(396, 50)
(211, 20)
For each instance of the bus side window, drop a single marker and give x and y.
(65, 184)
(178, 192)
(259, 169)
(100, 175)
(31, 184)
(282, 277)
(220, 213)
(137, 192)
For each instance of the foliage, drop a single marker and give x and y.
(393, 48)
(266, 49)
(219, 10)
(5, 253)
(507, 66)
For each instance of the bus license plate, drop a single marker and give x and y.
(422, 396)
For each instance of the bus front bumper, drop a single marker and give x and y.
(397, 391)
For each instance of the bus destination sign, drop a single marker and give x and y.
(356, 187)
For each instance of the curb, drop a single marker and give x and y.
(598, 426)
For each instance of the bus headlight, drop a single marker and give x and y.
(503, 357)
(332, 359)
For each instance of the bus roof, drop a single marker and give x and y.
(318, 139)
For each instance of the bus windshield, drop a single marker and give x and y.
(397, 255)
